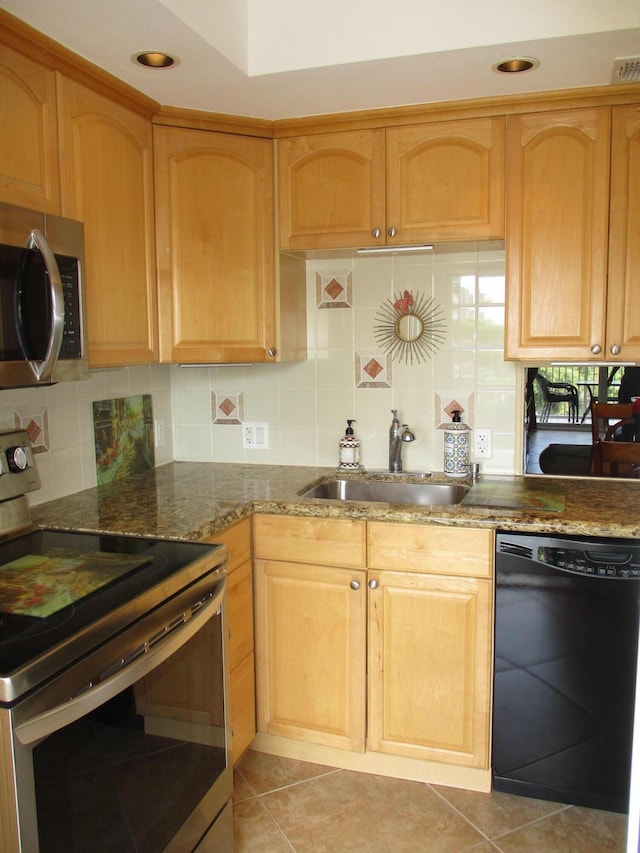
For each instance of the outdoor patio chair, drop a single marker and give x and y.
(554, 393)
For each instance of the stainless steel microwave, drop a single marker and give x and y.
(42, 307)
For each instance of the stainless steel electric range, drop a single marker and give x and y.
(114, 731)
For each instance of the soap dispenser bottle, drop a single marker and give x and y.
(349, 454)
(456, 448)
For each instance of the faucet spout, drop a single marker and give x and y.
(397, 435)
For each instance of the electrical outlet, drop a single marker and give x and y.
(255, 435)
(482, 444)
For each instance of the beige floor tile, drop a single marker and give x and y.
(497, 813)
(260, 772)
(348, 811)
(242, 790)
(254, 831)
(574, 830)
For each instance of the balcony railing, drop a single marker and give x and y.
(589, 381)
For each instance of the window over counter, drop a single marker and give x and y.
(557, 412)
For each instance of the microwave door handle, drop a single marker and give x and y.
(43, 369)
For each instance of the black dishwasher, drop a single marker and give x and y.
(566, 645)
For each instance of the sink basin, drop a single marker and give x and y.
(384, 491)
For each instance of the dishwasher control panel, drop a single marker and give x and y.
(596, 563)
(616, 558)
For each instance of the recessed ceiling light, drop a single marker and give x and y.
(155, 59)
(516, 64)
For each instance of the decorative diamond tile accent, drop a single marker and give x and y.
(372, 369)
(227, 407)
(454, 406)
(36, 424)
(334, 290)
(446, 404)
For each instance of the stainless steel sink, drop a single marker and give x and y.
(385, 491)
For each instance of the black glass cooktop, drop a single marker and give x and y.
(55, 585)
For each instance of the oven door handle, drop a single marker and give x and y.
(50, 721)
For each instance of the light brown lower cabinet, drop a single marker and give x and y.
(242, 691)
(184, 692)
(311, 665)
(429, 667)
(375, 660)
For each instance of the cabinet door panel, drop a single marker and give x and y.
(558, 177)
(107, 183)
(430, 667)
(214, 195)
(240, 649)
(242, 699)
(445, 180)
(310, 653)
(29, 138)
(240, 614)
(623, 317)
(331, 190)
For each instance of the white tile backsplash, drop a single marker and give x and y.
(306, 404)
(68, 465)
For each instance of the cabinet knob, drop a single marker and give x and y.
(272, 352)
(596, 349)
(392, 231)
(376, 232)
(373, 584)
(615, 349)
(355, 584)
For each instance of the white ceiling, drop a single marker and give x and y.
(283, 58)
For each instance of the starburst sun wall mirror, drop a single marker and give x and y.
(410, 328)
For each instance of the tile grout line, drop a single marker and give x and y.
(265, 808)
(563, 808)
(257, 796)
(494, 839)
(462, 815)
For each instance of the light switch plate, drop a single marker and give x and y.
(159, 432)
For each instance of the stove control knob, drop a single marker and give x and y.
(17, 459)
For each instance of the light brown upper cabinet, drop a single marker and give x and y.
(331, 190)
(560, 304)
(106, 168)
(215, 221)
(623, 314)
(29, 138)
(438, 181)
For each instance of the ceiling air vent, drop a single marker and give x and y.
(626, 69)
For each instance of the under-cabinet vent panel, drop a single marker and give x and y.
(626, 69)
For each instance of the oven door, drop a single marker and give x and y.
(129, 749)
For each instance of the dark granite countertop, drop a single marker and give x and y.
(194, 500)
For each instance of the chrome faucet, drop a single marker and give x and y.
(396, 436)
